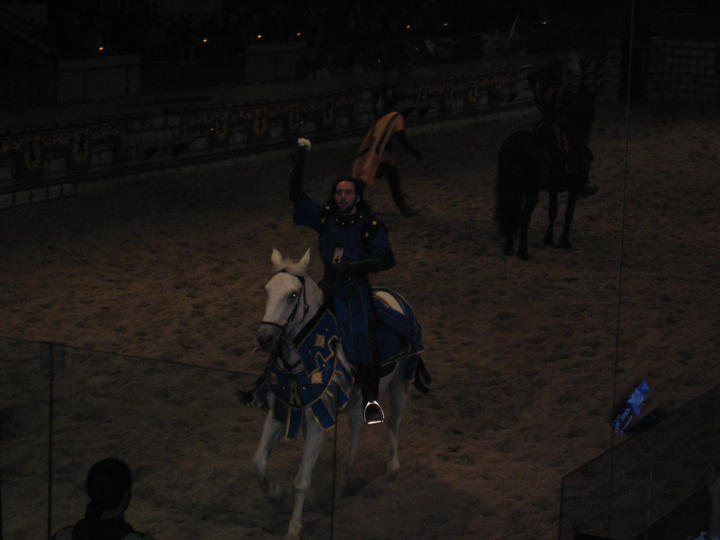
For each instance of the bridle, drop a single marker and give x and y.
(293, 314)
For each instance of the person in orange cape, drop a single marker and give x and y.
(376, 155)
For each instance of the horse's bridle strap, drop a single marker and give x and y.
(291, 317)
(293, 313)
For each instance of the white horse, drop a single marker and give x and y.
(308, 378)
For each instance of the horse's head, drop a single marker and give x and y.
(291, 299)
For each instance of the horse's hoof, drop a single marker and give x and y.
(393, 467)
(392, 474)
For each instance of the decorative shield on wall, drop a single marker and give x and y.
(293, 119)
(260, 123)
(327, 116)
(33, 154)
(222, 127)
(80, 147)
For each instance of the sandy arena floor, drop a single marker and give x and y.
(522, 353)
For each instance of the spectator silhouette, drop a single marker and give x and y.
(108, 486)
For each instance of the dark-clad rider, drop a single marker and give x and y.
(352, 244)
(553, 97)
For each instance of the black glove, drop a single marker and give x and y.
(375, 264)
(345, 271)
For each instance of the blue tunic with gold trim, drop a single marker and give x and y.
(349, 239)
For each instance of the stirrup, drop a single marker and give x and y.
(373, 413)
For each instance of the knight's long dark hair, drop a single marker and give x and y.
(108, 481)
(362, 206)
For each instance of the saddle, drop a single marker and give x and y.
(323, 384)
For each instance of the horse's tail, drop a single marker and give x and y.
(509, 186)
(422, 378)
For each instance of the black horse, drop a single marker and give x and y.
(530, 161)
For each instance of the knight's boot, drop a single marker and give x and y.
(583, 156)
(586, 189)
(369, 382)
(569, 166)
(570, 162)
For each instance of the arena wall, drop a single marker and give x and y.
(683, 70)
(64, 159)
(61, 160)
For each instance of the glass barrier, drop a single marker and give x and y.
(180, 428)
(25, 419)
(528, 356)
(645, 478)
(665, 292)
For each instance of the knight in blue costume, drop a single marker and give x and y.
(352, 244)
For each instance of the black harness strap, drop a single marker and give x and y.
(291, 318)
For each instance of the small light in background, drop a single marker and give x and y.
(101, 48)
(259, 36)
(544, 23)
(204, 40)
(445, 24)
(408, 27)
(298, 34)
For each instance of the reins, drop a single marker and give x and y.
(283, 327)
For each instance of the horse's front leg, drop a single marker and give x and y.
(569, 213)
(509, 248)
(272, 431)
(355, 419)
(530, 201)
(398, 398)
(313, 443)
(552, 214)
